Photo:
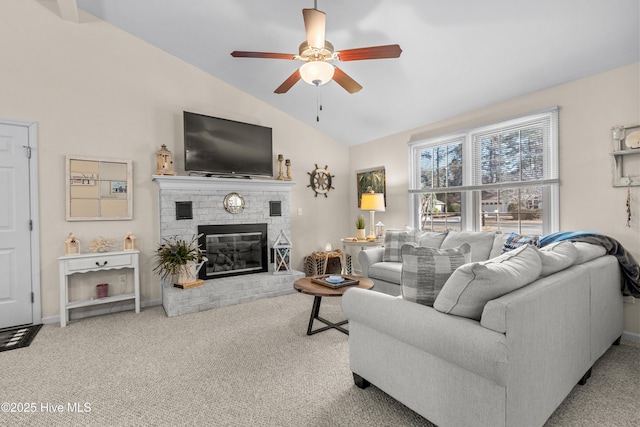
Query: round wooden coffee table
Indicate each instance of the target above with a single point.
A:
(306, 286)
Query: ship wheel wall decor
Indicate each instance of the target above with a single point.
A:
(320, 180)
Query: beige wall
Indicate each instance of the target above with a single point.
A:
(95, 90)
(588, 109)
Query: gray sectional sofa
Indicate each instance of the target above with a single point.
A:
(510, 365)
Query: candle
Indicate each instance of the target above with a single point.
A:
(327, 247)
(287, 162)
(280, 157)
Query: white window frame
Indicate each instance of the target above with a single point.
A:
(471, 190)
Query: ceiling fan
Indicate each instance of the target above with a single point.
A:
(317, 53)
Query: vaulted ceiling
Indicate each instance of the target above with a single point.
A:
(456, 55)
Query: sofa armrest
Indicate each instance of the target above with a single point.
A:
(458, 340)
(367, 257)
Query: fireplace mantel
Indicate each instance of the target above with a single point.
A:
(167, 182)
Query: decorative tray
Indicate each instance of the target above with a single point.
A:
(334, 281)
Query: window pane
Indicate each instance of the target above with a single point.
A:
(532, 154)
(441, 166)
(510, 157)
(440, 211)
(454, 152)
(516, 210)
(426, 168)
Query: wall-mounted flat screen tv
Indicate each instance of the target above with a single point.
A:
(217, 146)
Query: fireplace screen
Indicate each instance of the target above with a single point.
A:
(233, 249)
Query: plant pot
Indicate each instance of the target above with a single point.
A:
(361, 234)
(189, 272)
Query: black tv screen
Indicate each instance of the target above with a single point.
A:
(217, 146)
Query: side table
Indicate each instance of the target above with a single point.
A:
(362, 244)
(90, 262)
(306, 286)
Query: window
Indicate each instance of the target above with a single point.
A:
(500, 177)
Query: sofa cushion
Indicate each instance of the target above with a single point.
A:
(431, 239)
(425, 270)
(387, 271)
(588, 251)
(515, 240)
(481, 242)
(498, 244)
(472, 285)
(557, 257)
(393, 242)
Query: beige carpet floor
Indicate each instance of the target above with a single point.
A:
(245, 365)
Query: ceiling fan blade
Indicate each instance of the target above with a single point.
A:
(268, 55)
(288, 84)
(314, 24)
(345, 81)
(373, 52)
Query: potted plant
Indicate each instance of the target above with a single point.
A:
(360, 231)
(181, 258)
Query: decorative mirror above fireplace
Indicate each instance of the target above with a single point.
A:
(234, 203)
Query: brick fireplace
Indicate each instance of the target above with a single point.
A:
(188, 202)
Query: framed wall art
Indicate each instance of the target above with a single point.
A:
(373, 178)
(98, 189)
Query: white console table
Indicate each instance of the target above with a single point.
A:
(86, 263)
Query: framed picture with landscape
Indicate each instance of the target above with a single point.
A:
(371, 179)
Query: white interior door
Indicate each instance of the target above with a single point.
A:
(16, 307)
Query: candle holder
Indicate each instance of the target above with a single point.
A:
(287, 163)
(280, 175)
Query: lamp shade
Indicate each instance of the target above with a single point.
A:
(372, 202)
(316, 72)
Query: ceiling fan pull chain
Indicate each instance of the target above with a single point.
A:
(318, 104)
(318, 107)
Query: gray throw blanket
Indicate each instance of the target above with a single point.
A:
(629, 266)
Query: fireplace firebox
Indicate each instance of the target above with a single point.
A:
(233, 249)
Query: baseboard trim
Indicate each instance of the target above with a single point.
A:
(630, 336)
(102, 310)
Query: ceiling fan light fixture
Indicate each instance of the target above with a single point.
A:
(316, 73)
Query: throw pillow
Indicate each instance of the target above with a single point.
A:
(471, 286)
(425, 270)
(515, 240)
(481, 242)
(431, 239)
(557, 257)
(393, 242)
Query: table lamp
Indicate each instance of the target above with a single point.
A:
(372, 202)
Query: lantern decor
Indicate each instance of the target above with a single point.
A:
(72, 245)
(282, 254)
(380, 230)
(165, 161)
(130, 242)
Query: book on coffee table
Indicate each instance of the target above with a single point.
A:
(331, 281)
